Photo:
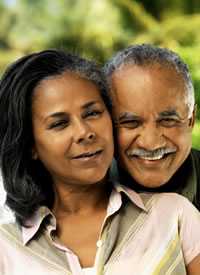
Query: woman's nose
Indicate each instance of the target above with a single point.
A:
(84, 133)
(89, 137)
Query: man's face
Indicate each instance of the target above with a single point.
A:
(153, 128)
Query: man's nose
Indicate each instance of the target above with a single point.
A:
(83, 133)
(150, 138)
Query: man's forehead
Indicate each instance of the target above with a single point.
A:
(134, 114)
(139, 81)
(145, 71)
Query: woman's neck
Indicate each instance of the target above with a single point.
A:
(80, 213)
(80, 199)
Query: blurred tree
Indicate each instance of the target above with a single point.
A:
(7, 22)
(80, 25)
(98, 28)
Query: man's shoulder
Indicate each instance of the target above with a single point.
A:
(195, 153)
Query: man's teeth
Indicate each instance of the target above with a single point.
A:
(155, 157)
(150, 155)
(151, 158)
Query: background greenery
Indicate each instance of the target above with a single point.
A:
(98, 28)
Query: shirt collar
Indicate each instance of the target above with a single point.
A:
(33, 224)
(134, 197)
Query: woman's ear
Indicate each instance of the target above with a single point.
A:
(34, 154)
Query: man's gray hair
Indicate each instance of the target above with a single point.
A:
(147, 54)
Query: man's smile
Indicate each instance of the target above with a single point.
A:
(153, 155)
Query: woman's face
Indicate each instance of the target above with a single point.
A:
(72, 130)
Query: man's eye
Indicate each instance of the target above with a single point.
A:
(129, 124)
(168, 122)
(58, 124)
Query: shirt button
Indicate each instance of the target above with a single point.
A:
(99, 243)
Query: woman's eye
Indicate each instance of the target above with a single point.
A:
(93, 113)
(129, 124)
(58, 124)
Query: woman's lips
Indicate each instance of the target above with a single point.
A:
(88, 155)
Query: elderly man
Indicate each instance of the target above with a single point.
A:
(154, 113)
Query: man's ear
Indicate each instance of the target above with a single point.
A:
(193, 117)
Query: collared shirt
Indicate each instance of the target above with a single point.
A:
(141, 234)
(89, 271)
(186, 181)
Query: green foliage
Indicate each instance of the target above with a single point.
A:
(196, 135)
(98, 28)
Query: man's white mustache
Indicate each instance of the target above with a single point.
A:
(157, 153)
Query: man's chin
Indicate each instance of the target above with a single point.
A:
(152, 185)
(152, 182)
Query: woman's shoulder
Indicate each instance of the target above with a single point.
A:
(10, 231)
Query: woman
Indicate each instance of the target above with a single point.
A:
(55, 151)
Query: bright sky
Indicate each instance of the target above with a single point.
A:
(10, 2)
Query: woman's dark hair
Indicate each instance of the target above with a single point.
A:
(26, 181)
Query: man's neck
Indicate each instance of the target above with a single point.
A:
(175, 184)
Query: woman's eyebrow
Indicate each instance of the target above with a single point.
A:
(56, 115)
(89, 104)
(64, 114)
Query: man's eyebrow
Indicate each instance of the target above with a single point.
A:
(127, 115)
(169, 113)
